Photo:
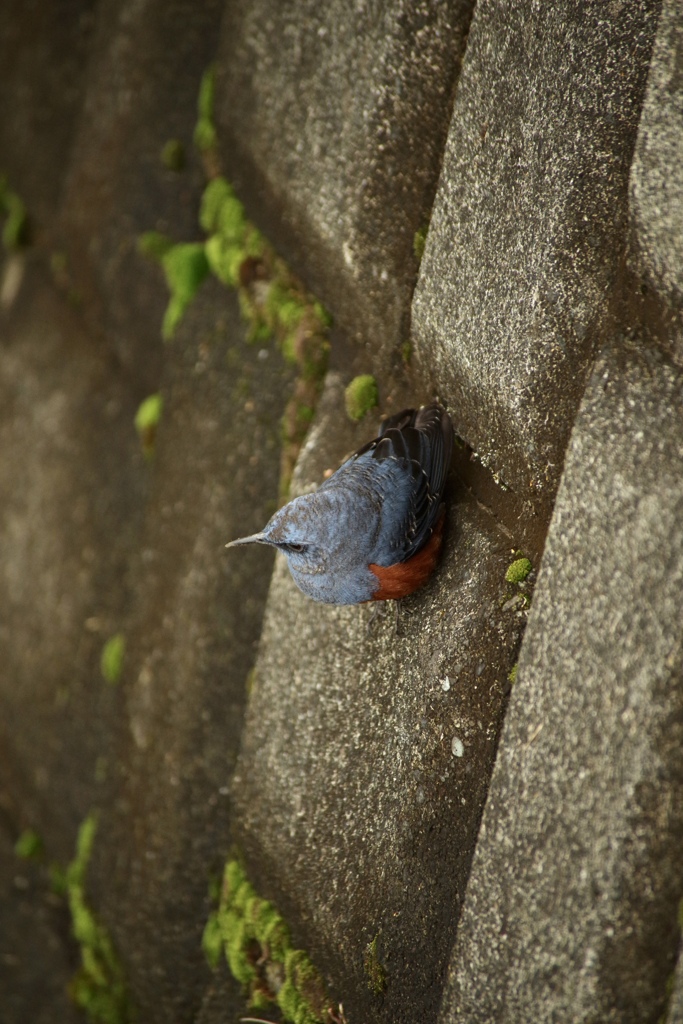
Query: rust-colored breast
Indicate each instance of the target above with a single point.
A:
(402, 578)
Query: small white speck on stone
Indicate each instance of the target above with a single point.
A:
(457, 746)
(445, 684)
(263, 354)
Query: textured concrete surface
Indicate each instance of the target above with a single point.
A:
(657, 174)
(354, 811)
(36, 959)
(70, 511)
(674, 1013)
(332, 120)
(43, 55)
(572, 904)
(527, 230)
(145, 64)
(192, 628)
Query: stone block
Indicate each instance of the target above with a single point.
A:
(366, 755)
(528, 226)
(332, 119)
(571, 910)
(192, 627)
(656, 191)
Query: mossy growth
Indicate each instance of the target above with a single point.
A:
(361, 396)
(419, 241)
(111, 660)
(273, 303)
(15, 229)
(147, 421)
(99, 987)
(512, 675)
(185, 267)
(205, 130)
(374, 969)
(257, 945)
(29, 845)
(173, 155)
(407, 352)
(518, 570)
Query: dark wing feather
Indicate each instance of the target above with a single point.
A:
(407, 465)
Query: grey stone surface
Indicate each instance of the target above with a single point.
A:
(332, 120)
(72, 487)
(36, 959)
(192, 628)
(657, 174)
(674, 1012)
(571, 908)
(145, 65)
(527, 230)
(355, 814)
(43, 55)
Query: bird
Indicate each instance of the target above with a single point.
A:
(373, 530)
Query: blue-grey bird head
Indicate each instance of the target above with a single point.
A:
(327, 553)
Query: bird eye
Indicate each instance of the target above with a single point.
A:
(295, 547)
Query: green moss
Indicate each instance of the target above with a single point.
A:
(512, 675)
(518, 571)
(12, 208)
(419, 240)
(212, 940)
(185, 267)
(147, 421)
(273, 302)
(374, 970)
(361, 396)
(154, 244)
(29, 845)
(98, 987)
(406, 352)
(205, 131)
(173, 155)
(111, 661)
(257, 945)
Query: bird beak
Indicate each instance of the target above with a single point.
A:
(256, 538)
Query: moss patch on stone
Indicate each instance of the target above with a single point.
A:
(257, 945)
(518, 570)
(273, 301)
(147, 421)
(361, 396)
(173, 155)
(274, 304)
(374, 969)
(111, 660)
(185, 267)
(98, 988)
(419, 241)
(29, 845)
(12, 208)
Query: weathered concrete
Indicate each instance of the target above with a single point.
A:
(527, 230)
(192, 629)
(146, 62)
(43, 54)
(35, 962)
(571, 907)
(657, 174)
(72, 480)
(332, 121)
(354, 812)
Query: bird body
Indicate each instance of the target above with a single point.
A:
(373, 530)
